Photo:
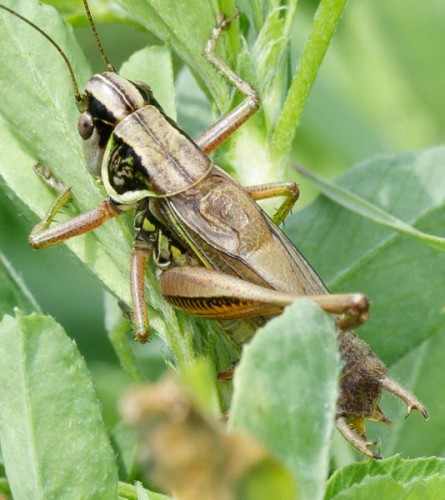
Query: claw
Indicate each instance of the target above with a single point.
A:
(420, 408)
(224, 22)
(378, 416)
(353, 431)
(48, 178)
(409, 399)
(357, 315)
(227, 373)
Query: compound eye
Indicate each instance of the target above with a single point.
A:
(145, 90)
(85, 125)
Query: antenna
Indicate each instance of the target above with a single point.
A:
(96, 37)
(77, 95)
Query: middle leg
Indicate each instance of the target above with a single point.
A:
(289, 190)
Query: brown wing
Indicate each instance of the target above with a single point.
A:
(230, 232)
(311, 281)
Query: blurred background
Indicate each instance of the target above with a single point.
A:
(380, 90)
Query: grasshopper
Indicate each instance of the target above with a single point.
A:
(218, 255)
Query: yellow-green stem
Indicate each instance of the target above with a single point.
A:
(325, 23)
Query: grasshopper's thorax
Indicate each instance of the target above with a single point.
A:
(138, 151)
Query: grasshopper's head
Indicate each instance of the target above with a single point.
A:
(108, 98)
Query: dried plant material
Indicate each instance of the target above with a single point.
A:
(186, 453)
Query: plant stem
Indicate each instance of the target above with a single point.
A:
(325, 23)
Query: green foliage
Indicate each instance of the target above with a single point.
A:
(373, 259)
(392, 478)
(50, 420)
(13, 292)
(53, 438)
(285, 351)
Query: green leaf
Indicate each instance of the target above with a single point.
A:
(402, 277)
(153, 65)
(392, 478)
(74, 11)
(362, 207)
(117, 327)
(422, 371)
(268, 53)
(125, 444)
(194, 110)
(52, 434)
(13, 292)
(286, 390)
(269, 46)
(43, 115)
(267, 479)
(4, 488)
